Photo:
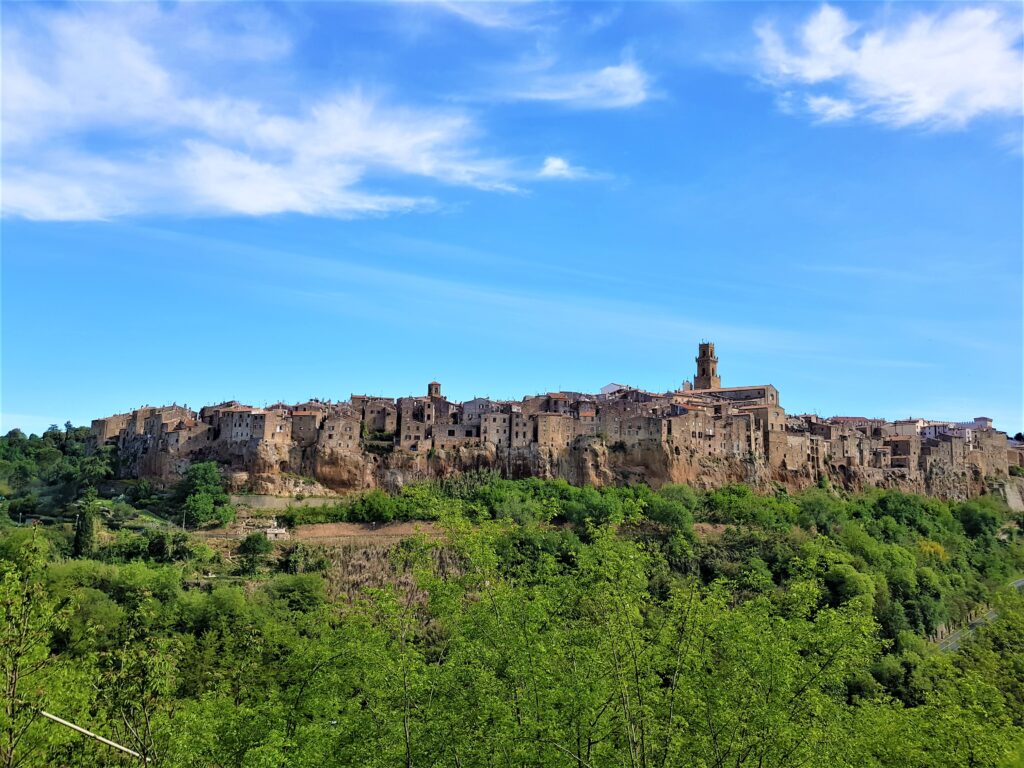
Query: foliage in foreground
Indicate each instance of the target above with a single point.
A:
(537, 649)
(563, 626)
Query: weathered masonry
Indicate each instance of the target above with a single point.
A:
(701, 433)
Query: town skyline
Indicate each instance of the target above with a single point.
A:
(340, 398)
(455, 382)
(459, 397)
(703, 433)
(266, 201)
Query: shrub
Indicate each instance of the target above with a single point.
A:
(301, 558)
(253, 549)
(979, 517)
(300, 593)
(255, 544)
(203, 497)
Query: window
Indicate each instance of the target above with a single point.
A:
(451, 433)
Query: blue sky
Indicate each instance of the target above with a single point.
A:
(204, 202)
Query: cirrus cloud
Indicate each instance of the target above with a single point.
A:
(560, 168)
(612, 87)
(938, 70)
(102, 118)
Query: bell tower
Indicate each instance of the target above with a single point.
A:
(707, 368)
(434, 389)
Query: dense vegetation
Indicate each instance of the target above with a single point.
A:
(40, 475)
(550, 625)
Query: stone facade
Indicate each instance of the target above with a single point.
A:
(703, 434)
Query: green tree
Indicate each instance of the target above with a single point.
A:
(202, 496)
(135, 683)
(844, 583)
(253, 550)
(199, 508)
(85, 531)
(517, 639)
(31, 676)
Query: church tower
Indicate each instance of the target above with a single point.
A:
(434, 389)
(707, 368)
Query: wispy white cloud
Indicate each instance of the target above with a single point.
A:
(938, 70)
(225, 180)
(515, 309)
(74, 186)
(255, 35)
(102, 119)
(829, 110)
(1013, 140)
(612, 87)
(502, 15)
(560, 168)
(893, 272)
(605, 17)
(348, 286)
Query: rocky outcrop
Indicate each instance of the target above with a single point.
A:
(586, 462)
(276, 469)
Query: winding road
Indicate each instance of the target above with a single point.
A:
(952, 642)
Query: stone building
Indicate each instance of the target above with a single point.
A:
(416, 419)
(306, 427)
(236, 424)
(707, 368)
(107, 430)
(272, 426)
(473, 409)
(450, 436)
(379, 414)
(685, 432)
(341, 430)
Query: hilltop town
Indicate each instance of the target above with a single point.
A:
(702, 433)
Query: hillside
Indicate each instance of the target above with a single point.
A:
(522, 622)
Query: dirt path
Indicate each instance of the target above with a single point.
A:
(315, 531)
(704, 530)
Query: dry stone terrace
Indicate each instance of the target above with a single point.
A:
(704, 434)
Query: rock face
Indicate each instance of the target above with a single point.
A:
(341, 456)
(315, 471)
(703, 434)
(706, 437)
